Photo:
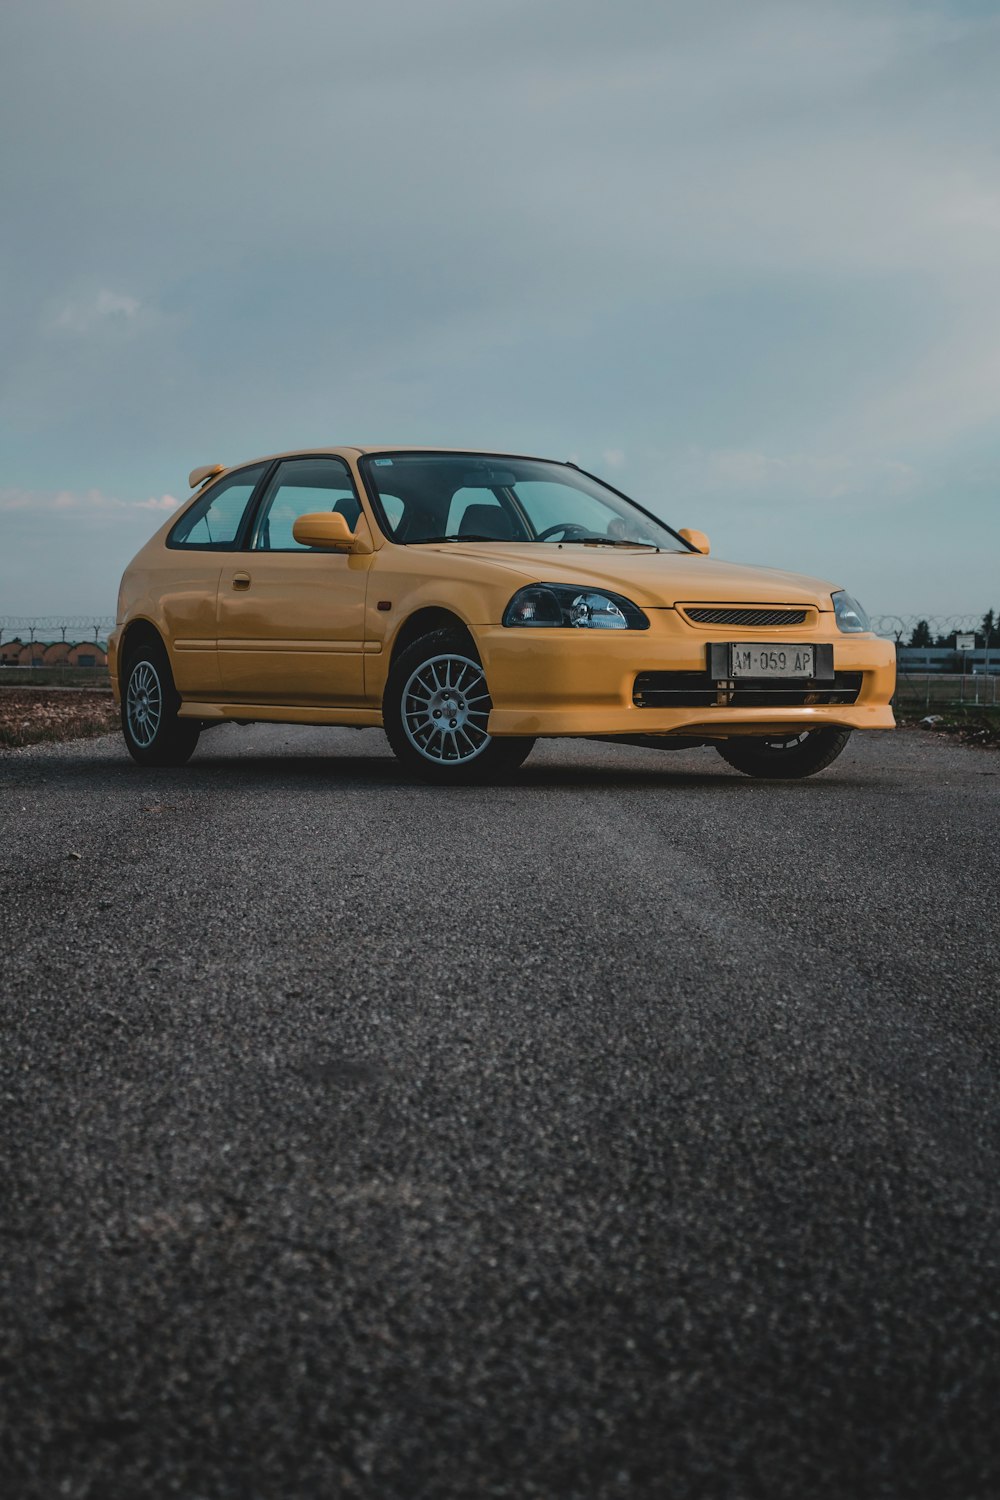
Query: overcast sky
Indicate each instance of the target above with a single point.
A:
(741, 257)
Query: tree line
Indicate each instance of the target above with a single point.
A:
(988, 634)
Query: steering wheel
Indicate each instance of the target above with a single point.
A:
(569, 530)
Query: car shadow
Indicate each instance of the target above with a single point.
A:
(220, 770)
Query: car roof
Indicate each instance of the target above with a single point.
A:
(424, 448)
(215, 472)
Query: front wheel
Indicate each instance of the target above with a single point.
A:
(436, 708)
(790, 757)
(154, 734)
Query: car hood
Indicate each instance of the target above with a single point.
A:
(651, 579)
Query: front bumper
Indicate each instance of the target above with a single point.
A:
(578, 682)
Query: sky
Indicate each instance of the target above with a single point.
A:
(742, 259)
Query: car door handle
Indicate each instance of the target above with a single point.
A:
(241, 580)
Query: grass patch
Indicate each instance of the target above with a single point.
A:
(30, 716)
(971, 725)
(77, 677)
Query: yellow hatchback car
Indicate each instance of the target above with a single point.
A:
(470, 603)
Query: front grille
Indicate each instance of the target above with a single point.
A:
(752, 617)
(699, 690)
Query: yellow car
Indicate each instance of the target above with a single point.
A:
(469, 603)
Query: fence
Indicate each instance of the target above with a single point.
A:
(53, 649)
(938, 690)
(95, 627)
(940, 677)
(50, 628)
(900, 628)
(918, 685)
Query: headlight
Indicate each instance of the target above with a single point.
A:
(851, 618)
(545, 605)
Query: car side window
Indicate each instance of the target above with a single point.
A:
(299, 487)
(213, 523)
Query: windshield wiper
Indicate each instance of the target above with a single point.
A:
(472, 536)
(614, 541)
(584, 541)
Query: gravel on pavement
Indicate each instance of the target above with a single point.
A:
(627, 1130)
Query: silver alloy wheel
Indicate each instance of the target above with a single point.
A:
(144, 703)
(445, 709)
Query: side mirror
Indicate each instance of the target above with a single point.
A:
(696, 539)
(324, 528)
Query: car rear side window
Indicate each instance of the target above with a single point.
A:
(213, 522)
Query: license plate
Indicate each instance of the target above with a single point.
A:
(772, 661)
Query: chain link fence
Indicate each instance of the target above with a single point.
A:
(56, 628)
(900, 628)
(927, 677)
(54, 650)
(939, 676)
(95, 627)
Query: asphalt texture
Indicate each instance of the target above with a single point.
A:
(628, 1130)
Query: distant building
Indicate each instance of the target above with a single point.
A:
(946, 659)
(87, 654)
(83, 654)
(32, 654)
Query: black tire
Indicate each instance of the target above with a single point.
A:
(154, 735)
(446, 745)
(785, 759)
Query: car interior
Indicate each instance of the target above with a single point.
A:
(430, 504)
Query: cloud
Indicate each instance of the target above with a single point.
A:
(164, 503)
(105, 310)
(753, 244)
(776, 480)
(65, 550)
(954, 388)
(91, 502)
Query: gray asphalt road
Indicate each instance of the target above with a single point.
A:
(627, 1131)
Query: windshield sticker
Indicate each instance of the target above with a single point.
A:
(382, 463)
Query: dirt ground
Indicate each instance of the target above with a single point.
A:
(972, 726)
(30, 715)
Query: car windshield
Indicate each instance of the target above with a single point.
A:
(475, 497)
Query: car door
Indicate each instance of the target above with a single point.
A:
(205, 537)
(291, 618)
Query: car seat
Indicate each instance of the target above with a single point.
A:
(349, 506)
(487, 520)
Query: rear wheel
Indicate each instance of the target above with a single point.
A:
(786, 758)
(154, 735)
(436, 708)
